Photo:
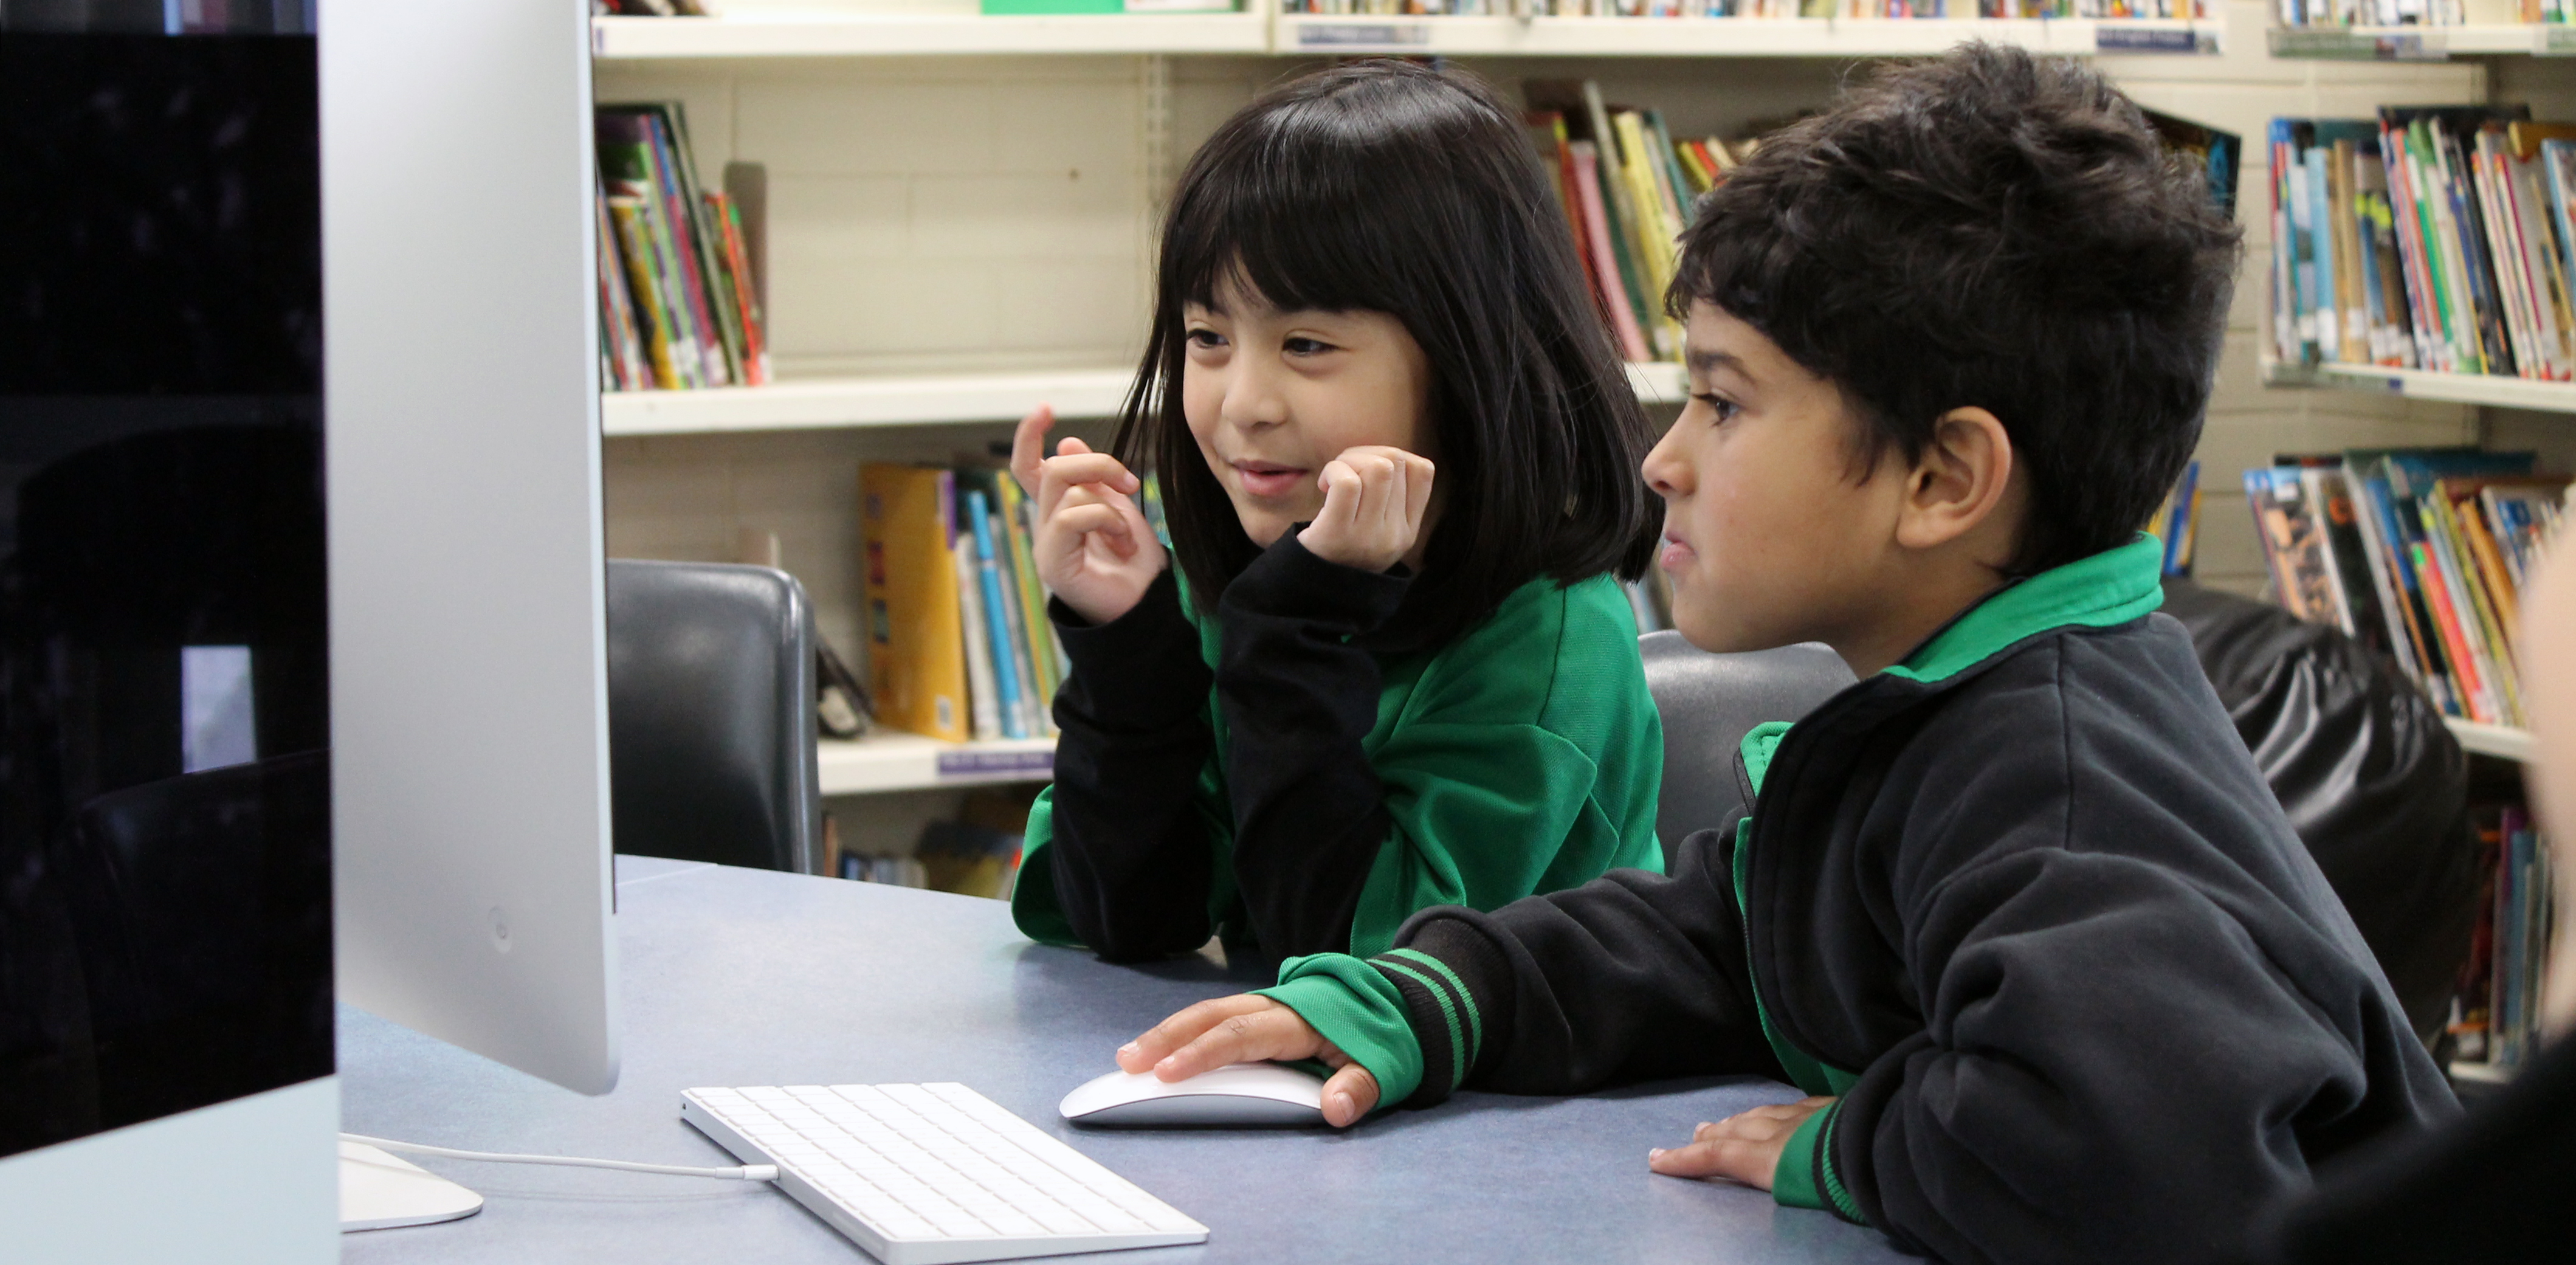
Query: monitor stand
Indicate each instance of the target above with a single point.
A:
(379, 1192)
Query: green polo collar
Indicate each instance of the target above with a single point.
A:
(2111, 587)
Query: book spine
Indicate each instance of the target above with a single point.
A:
(1033, 600)
(627, 360)
(636, 245)
(2488, 636)
(2401, 639)
(1606, 269)
(2455, 644)
(1023, 660)
(981, 671)
(996, 618)
(680, 220)
(729, 287)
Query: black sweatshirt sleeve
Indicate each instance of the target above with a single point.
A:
(1129, 858)
(1298, 696)
(1632, 976)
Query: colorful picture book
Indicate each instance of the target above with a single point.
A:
(677, 303)
(2428, 238)
(2334, 13)
(959, 645)
(2418, 553)
(2497, 1019)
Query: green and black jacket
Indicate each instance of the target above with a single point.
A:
(1306, 770)
(2022, 904)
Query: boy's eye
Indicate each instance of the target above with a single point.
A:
(1725, 408)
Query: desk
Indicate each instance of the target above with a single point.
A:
(740, 977)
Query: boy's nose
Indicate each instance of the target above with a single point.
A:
(1663, 469)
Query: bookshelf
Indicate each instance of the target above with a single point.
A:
(859, 34)
(852, 402)
(1258, 30)
(2496, 740)
(2422, 43)
(892, 760)
(2490, 390)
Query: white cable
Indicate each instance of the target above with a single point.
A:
(747, 1172)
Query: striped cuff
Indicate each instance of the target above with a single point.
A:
(1445, 1021)
(1805, 1176)
(1360, 1010)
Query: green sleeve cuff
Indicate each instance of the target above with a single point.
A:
(1805, 1176)
(1033, 905)
(1358, 1009)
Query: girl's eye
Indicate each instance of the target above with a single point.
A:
(1725, 408)
(1206, 338)
(1306, 347)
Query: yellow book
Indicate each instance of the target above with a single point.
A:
(916, 636)
(634, 249)
(1658, 249)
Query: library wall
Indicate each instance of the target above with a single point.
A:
(970, 214)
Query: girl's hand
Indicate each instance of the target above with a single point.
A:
(1374, 498)
(1094, 549)
(1744, 1147)
(1247, 1029)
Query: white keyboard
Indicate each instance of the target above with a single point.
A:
(927, 1174)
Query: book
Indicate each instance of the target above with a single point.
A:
(983, 668)
(917, 666)
(699, 321)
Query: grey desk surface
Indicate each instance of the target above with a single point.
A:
(738, 977)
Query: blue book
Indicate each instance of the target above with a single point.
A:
(997, 628)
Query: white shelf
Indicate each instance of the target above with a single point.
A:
(1318, 34)
(2454, 388)
(908, 34)
(1306, 34)
(2423, 43)
(2494, 740)
(893, 760)
(820, 403)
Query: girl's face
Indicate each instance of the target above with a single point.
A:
(1271, 396)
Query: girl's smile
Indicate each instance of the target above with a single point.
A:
(1270, 480)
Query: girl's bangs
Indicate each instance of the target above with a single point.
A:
(1284, 222)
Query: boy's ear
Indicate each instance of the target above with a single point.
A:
(1961, 485)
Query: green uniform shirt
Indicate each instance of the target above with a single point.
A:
(1524, 756)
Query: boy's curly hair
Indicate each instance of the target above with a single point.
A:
(1991, 229)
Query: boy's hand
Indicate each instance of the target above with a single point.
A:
(1094, 548)
(1374, 498)
(1248, 1029)
(1744, 1147)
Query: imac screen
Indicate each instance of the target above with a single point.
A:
(165, 820)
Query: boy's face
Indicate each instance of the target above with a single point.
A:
(1770, 535)
(1271, 396)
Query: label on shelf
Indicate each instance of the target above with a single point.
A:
(2344, 45)
(1363, 34)
(2132, 40)
(985, 764)
(2558, 38)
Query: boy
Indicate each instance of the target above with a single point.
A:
(2016, 910)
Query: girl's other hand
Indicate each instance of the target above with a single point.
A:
(1374, 500)
(1094, 550)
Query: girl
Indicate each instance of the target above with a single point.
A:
(1399, 458)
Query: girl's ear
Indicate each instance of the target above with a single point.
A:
(1963, 477)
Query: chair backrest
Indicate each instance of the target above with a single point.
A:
(1708, 703)
(711, 714)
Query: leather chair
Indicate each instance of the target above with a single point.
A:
(1708, 703)
(711, 714)
(2371, 779)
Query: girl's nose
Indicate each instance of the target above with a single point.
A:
(1252, 397)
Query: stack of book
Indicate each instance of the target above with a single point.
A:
(959, 644)
(2502, 984)
(2433, 238)
(677, 304)
(2419, 553)
(1627, 190)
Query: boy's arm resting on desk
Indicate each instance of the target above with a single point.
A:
(1310, 814)
(1125, 867)
(1630, 977)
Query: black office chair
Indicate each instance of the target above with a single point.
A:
(2373, 782)
(1708, 703)
(711, 714)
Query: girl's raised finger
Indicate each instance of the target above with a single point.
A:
(1028, 447)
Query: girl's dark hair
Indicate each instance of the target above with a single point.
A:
(1390, 187)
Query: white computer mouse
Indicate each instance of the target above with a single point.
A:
(1238, 1095)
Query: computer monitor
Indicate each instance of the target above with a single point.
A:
(437, 332)
(165, 811)
(468, 664)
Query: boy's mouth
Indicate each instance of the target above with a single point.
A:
(1269, 480)
(1675, 554)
